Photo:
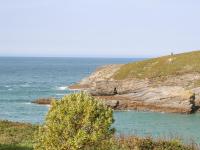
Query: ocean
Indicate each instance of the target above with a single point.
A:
(23, 80)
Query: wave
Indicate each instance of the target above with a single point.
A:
(48, 106)
(38, 105)
(28, 103)
(62, 88)
(60, 94)
(25, 85)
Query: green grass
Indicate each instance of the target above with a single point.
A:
(161, 67)
(14, 147)
(19, 136)
(16, 136)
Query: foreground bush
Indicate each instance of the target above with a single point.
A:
(77, 121)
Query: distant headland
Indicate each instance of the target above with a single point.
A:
(165, 84)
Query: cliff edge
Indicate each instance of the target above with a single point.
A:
(164, 84)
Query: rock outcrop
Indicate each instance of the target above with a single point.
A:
(43, 101)
(175, 94)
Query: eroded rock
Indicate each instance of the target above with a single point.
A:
(174, 94)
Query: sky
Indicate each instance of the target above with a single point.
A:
(98, 28)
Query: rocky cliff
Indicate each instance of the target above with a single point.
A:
(175, 90)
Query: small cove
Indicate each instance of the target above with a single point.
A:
(25, 79)
(163, 125)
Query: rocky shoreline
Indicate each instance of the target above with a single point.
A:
(175, 94)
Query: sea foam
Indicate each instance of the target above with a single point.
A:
(60, 94)
(62, 88)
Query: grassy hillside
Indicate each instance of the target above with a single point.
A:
(161, 67)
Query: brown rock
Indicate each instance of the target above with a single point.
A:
(43, 101)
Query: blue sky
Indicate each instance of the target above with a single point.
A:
(98, 28)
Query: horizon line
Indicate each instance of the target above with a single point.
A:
(104, 57)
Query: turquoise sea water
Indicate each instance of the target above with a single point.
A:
(25, 79)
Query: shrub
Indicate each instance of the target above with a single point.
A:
(148, 143)
(77, 121)
(173, 145)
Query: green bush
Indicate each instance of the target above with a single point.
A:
(77, 121)
(148, 143)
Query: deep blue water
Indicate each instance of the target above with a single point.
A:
(25, 79)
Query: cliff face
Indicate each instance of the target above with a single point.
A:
(176, 92)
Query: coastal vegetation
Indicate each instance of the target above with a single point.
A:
(20, 136)
(78, 121)
(161, 67)
(14, 135)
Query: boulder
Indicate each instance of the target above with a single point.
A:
(112, 103)
(197, 95)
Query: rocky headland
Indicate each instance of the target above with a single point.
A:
(165, 84)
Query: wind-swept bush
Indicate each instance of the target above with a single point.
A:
(77, 121)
